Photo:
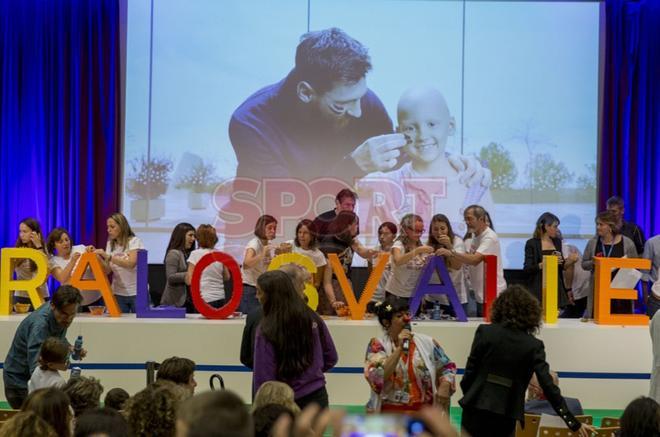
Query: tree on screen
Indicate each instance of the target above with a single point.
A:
(546, 174)
(499, 161)
(587, 180)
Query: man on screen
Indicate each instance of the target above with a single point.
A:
(322, 120)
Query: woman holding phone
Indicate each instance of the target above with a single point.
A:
(546, 241)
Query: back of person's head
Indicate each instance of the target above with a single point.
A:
(287, 323)
(328, 57)
(641, 418)
(84, 392)
(516, 308)
(176, 369)
(152, 411)
(53, 406)
(275, 392)
(26, 424)
(106, 422)
(298, 274)
(214, 413)
(207, 237)
(53, 351)
(265, 417)
(116, 398)
(66, 295)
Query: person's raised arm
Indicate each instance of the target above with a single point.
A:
(399, 258)
(62, 275)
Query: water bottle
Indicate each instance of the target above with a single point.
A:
(77, 349)
(436, 312)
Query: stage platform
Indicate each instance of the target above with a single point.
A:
(604, 366)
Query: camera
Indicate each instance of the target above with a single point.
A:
(385, 425)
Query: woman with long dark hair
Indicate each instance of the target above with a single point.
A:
(182, 243)
(29, 236)
(546, 241)
(503, 357)
(292, 344)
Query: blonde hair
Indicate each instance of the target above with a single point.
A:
(27, 423)
(408, 222)
(275, 392)
(125, 231)
(298, 274)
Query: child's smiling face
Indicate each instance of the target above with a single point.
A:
(425, 121)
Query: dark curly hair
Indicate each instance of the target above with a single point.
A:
(84, 392)
(641, 418)
(387, 309)
(152, 411)
(516, 308)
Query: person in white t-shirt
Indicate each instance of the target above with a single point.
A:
(53, 358)
(212, 285)
(386, 235)
(484, 242)
(306, 243)
(64, 260)
(409, 257)
(120, 257)
(30, 237)
(259, 252)
(446, 243)
(577, 282)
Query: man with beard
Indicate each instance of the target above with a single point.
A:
(322, 120)
(49, 320)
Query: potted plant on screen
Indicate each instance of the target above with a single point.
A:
(199, 183)
(148, 181)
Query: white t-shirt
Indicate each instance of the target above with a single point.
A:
(379, 294)
(124, 281)
(486, 243)
(581, 277)
(456, 275)
(315, 254)
(212, 284)
(44, 379)
(424, 195)
(56, 261)
(23, 272)
(250, 275)
(404, 277)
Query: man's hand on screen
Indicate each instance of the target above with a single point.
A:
(379, 153)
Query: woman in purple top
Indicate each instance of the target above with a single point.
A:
(292, 344)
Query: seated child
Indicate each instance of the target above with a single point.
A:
(53, 357)
(428, 184)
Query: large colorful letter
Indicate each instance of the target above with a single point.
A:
(237, 290)
(358, 308)
(7, 284)
(143, 310)
(437, 263)
(604, 293)
(304, 261)
(100, 281)
(550, 288)
(490, 283)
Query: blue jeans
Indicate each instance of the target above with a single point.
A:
(126, 303)
(249, 300)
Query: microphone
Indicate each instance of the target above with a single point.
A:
(405, 345)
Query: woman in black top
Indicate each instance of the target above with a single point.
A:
(546, 241)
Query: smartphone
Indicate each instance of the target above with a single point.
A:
(381, 425)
